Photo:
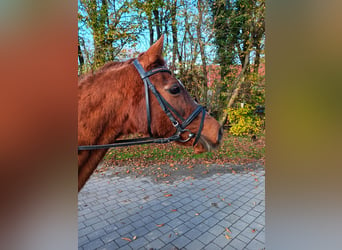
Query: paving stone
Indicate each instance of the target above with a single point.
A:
(260, 236)
(173, 215)
(206, 237)
(167, 237)
(221, 241)
(116, 214)
(184, 217)
(213, 246)
(238, 244)
(155, 244)
(93, 220)
(195, 245)
(175, 222)
(202, 227)
(110, 228)
(109, 246)
(93, 244)
(255, 245)
(220, 215)
(121, 242)
(100, 225)
(207, 214)
(153, 235)
(242, 238)
(240, 225)
(158, 214)
(96, 234)
(165, 228)
(85, 231)
(82, 240)
(211, 221)
(181, 241)
(109, 237)
(125, 230)
(232, 218)
(249, 232)
(248, 218)
(240, 212)
(229, 247)
(182, 229)
(193, 233)
(216, 230)
(146, 219)
(260, 220)
(139, 242)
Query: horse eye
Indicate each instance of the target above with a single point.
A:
(175, 89)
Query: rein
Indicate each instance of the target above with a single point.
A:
(166, 107)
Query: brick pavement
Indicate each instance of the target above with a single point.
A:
(126, 213)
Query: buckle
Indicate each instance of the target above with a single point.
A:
(175, 124)
(191, 135)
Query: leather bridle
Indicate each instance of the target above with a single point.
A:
(167, 108)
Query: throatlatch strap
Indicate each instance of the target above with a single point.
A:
(148, 110)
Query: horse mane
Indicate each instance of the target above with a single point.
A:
(91, 76)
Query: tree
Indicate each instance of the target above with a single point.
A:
(239, 31)
(112, 27)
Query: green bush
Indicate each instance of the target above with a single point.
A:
(244, 121)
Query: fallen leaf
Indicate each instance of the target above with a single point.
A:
(173, 210)
(167, 195)
(227, 229)
(134, 237)
(128, 239)
(227, 236)
(160, 225)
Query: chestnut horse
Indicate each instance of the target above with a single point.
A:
(112, 103)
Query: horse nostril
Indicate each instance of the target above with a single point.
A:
(220, 135)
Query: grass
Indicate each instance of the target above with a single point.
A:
(234, 150)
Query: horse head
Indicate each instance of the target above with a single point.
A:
(174, 93)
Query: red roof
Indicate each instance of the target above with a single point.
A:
(214, 72)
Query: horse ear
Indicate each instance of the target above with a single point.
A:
(153, 53)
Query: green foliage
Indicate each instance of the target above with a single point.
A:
(257, 90)
(234, 149)
(244, 121)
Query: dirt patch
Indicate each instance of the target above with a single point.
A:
(168, 173)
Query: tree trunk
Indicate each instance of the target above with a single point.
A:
(157, 21)
(174, 34)
(150, 28)
(257, 57)
(238, 82)
(202, 52)
(80, 55)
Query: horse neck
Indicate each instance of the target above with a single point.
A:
(106, 107)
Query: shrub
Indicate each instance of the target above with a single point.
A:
(244, 121)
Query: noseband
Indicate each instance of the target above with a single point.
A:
(167, 108)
